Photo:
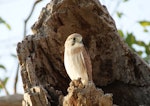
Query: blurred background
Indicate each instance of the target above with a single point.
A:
(132, 19)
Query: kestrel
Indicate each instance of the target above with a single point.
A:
(76, 59)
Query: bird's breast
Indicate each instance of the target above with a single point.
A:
(74, 64)
(75, 50)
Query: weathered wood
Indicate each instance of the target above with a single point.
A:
(78, 95)
(115, 67)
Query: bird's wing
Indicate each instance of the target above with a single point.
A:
(87, 63)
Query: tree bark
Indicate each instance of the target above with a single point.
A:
(79, 95)
(116, 68)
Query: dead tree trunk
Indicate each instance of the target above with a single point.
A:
(116, 68)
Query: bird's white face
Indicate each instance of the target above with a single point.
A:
(73, 41)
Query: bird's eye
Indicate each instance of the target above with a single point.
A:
(74, 39)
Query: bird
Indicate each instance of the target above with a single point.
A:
(76, 59)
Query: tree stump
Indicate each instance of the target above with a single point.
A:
(78, 95)
(116, 68)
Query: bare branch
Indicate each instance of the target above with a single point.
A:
(16, 80)
(27, 19)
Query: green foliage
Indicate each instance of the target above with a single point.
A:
(144, 24)
(119, 14)
(4, 82)
(125, 0)
(121, 33)
(4, 22)
(131, 40)
(2, 67)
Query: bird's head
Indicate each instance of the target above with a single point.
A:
(74, 40)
